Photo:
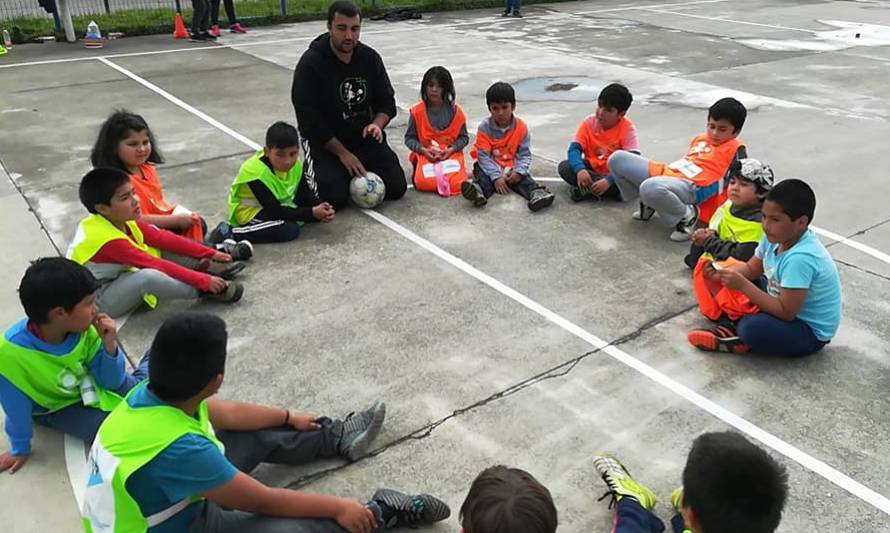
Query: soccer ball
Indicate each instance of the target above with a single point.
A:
(367, 191)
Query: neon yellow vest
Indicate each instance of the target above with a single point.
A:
(732, 228)
(243, 207)
(95, 231)
(53, 381)
(128, 440)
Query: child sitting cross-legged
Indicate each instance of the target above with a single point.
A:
(137, 262)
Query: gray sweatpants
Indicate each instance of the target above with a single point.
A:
(671, 197)
(247, 449)
(125, 292)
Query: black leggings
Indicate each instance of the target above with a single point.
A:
(230, 12)
(262, 230)
(332, 178)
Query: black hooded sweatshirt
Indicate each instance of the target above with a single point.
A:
(336, 99)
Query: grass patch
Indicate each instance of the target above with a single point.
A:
(150, 21)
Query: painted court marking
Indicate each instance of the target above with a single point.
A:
(809, 462)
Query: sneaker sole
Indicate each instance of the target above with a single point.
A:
(230, 273)
(360, 445)
(708, 342)
(434, 509)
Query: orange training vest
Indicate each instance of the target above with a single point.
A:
(424, 179)
(705, 164)
(151, 199)
(502, 150)
(714, 299)
(598, 146)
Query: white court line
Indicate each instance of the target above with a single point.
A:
(717, 19)
(807, 461)
(864, 248)
(645, 6)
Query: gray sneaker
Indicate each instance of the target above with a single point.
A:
(226, 271)
(473, 193)
(684, 229)
(359, 429)
(540, 198)
(239, 250)
(401, 510)
(232, 294)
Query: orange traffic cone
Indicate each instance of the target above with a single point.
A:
(179, 28)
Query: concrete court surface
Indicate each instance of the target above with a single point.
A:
(475, 374)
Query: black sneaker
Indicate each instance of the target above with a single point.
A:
(684, 229)
(232, 294)
(402, 510)
(359, 429)
(644, 213)
(239, 250)
(208, 36)
(197, 37)
(506, 13)
(517, 14)
(540, 198)
(473, 193)
(226, 271)
(221, 232)
(578, 194)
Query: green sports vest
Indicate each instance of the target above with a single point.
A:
(732, 228)
(53, 381)
(128, 440)
(95, 231)
(283, 186)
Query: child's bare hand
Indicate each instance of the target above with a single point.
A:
(500, 186)
(217, 285)
(732, 279)
(182, 221)
(585, 180)
(429, 153)
(374, 131)
(221, 257)
(355, 517)
(304, 421)
(107, 329)
(700, 235)
(13, 463)
(513, 178)
(446, 153)
(600, 187)
(323, 212)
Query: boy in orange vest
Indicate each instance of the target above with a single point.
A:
(503, 154)
(598, 136)
(692, 187)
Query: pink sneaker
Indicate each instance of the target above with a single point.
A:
(215, 31)
(237, 28)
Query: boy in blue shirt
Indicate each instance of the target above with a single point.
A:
(60, 366)
(186, 467)
(800, 306)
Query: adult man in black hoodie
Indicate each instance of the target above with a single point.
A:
(344, 99)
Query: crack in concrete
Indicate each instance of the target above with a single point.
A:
(33, 211)
(554, 372)
(206, 160)
(863, 270)
(860, 232)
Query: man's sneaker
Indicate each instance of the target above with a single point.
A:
(359, 429)
(473, 193)
(620, 483)
(402, 510)
(720, 339)
(226, 271)
(506, 13)
(540, 198)
(239, 250)
(207, 35)
(214, 30)
(517, 14)
(197, 37)
(644, 213)
(232, 294)
(684, 229)
(221, 232)
(237, 28)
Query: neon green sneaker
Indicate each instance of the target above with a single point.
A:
(620, 483)
(677, 499)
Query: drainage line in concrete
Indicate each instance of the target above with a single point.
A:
(557, 371)
(863, 270)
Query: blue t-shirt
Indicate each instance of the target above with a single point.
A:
(189, 466)
(806, 265)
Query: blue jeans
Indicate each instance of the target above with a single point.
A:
(514, 6)
(524, 188)
(631, 517)
(768, 335)
(83, 422)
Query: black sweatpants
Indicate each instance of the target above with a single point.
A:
(200, 16)
(332, 178)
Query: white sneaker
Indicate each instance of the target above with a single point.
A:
(684, 229)
(239, 250)
(644, 213)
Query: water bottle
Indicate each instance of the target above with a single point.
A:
(93, 30)
(7, 40)
(88, 393)
(442, 185)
